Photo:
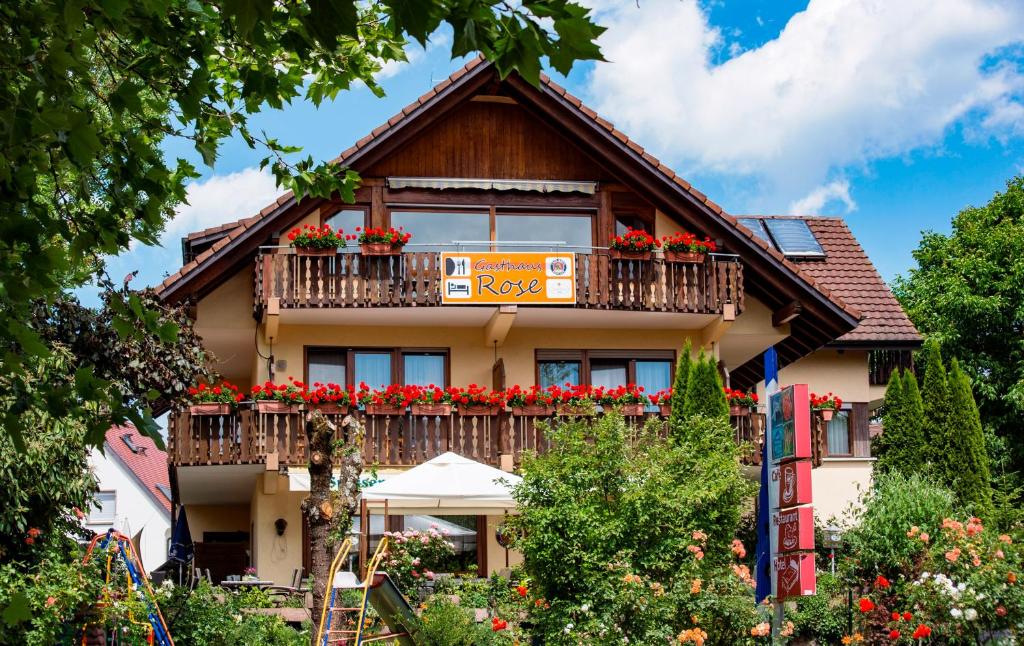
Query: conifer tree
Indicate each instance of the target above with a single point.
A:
(682, 375)
(966, 461)
(704, 394)
(913, 408)
(935, 400)
(901, 446)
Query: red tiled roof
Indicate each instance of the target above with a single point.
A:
(847, 272)
(148, 463)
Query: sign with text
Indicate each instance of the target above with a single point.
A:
(795, 529)
(789, 423)
(794, 575)
(508, 278)
(791, 484)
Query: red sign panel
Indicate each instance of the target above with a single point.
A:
(789, 423)
(795, 529)
(794, 576)
(792, 483)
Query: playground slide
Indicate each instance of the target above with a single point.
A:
(392, 607)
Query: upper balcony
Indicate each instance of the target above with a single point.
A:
(414, 278)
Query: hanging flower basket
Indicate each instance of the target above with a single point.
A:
(275, 407)
(312, 251)
(432, 410)
(684, 257)
(209, 409)
(379, 249)
(623, 254)
(826, 414)
(384, 409)
(330, 408)
(478, 410)
(739, 411)
(533, 410)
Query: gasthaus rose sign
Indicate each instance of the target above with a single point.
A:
(499, 278)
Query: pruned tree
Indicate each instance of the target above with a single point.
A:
(683, 367)
(901, 446)
(966, 461)
(704, 394)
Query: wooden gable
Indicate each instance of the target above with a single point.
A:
(489, 137)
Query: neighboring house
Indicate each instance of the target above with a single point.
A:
(495, 162)
(134, 493)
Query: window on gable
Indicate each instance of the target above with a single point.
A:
(104, 509)
(347, 220)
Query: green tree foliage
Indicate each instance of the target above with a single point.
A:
(93, 91)
(683, 367)
(901, 445)
(704, 394)
(611, 523)
(967, 293)
(936, 402)
(966, 462)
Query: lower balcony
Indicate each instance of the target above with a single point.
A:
(252, 437)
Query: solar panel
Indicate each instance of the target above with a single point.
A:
(793, 237)
(757, 226)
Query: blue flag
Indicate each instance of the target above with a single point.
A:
(764, 547)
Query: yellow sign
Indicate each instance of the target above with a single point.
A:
(499, 278)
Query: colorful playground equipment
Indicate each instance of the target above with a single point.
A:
(121, 553)
(378, 590)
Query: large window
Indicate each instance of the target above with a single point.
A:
(439, 230)
(651, 369)
(376, 367)
(347, 220)
(838, 434)
(575, 231)
(104, 508)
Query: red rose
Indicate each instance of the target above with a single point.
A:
(894, 634)
(882, 582)
(866, 605)
(522, 590)
(921, 632)
(907, 616)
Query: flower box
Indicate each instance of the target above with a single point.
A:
(739, 411)
(533, 410)
(330, 408)
(478, 410)
(379, 249)
(826, 414)
(209, 409)
(622, 254)
(432, 410)
(631, 410)
(274, 406)
(665, 410)
(384, 409)
(570, 410)
(690, 257)
(313, 251)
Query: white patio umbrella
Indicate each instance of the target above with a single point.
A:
(449, 483)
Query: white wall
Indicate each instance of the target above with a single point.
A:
(136, 509)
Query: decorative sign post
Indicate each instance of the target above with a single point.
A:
(499, 278)
(792, 524)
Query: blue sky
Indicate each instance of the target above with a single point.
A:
(892, 115)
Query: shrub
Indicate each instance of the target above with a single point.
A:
(901, 444)
(682, 375)
(445, 623)
(412, 556)
(213, 616)
(971, 477)
(822, 617)
(935, 396)
(704, 393)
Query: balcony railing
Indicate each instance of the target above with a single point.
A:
(882, 363)
(413, 279)
(249, 437)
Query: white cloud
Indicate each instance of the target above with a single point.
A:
(220, 199)
(845, 83)
(814, 202)
(414, 53)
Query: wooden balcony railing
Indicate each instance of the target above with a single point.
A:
(249, 437)
(882, 363)
(413, 279)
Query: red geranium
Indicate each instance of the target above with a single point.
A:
(921, 632)
(688, 242)
(628, 394)
(329, 393)
(882, 582)
(635, 240)
(291, 393)
(829, 401)
(312, 237)
(516, 397)
(866, 605)
(746, 399)
(498, 624)
(663, 396)
(394, 237)
(223, 393)
(894, 634)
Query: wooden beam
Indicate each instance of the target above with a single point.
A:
(271, 319)
(497, 328)
(787, 313)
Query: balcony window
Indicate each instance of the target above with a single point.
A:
(609, 373)
(652, 369)
(326, 365)
(558, 373)
(576, 231)
(376, 367)
(372, 368)
(347, 220)
(423, 368)
(104, 509)
(838, 434)
(439, 230)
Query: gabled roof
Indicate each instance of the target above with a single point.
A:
(146, 462)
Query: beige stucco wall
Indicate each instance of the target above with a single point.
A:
(496, 554)
(276, 557)
(837, 484)
(844, 373)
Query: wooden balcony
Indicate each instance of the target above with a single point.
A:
(413, 279)
(250, 437)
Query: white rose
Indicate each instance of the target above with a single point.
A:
(956, 613)
(971, 614)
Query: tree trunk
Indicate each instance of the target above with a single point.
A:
(329, 514)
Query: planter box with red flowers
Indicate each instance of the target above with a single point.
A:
(634, 244)
(329, 399)
(219, 399)
(826, 405)
(686, 248)
(309, 240)
(663, 400)
(740, 403)
(430, 401)
(278, 398)
(382, 242)
(478, 401)
(573, 401)
(534, 401)
(392, 400)
(629, 400)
